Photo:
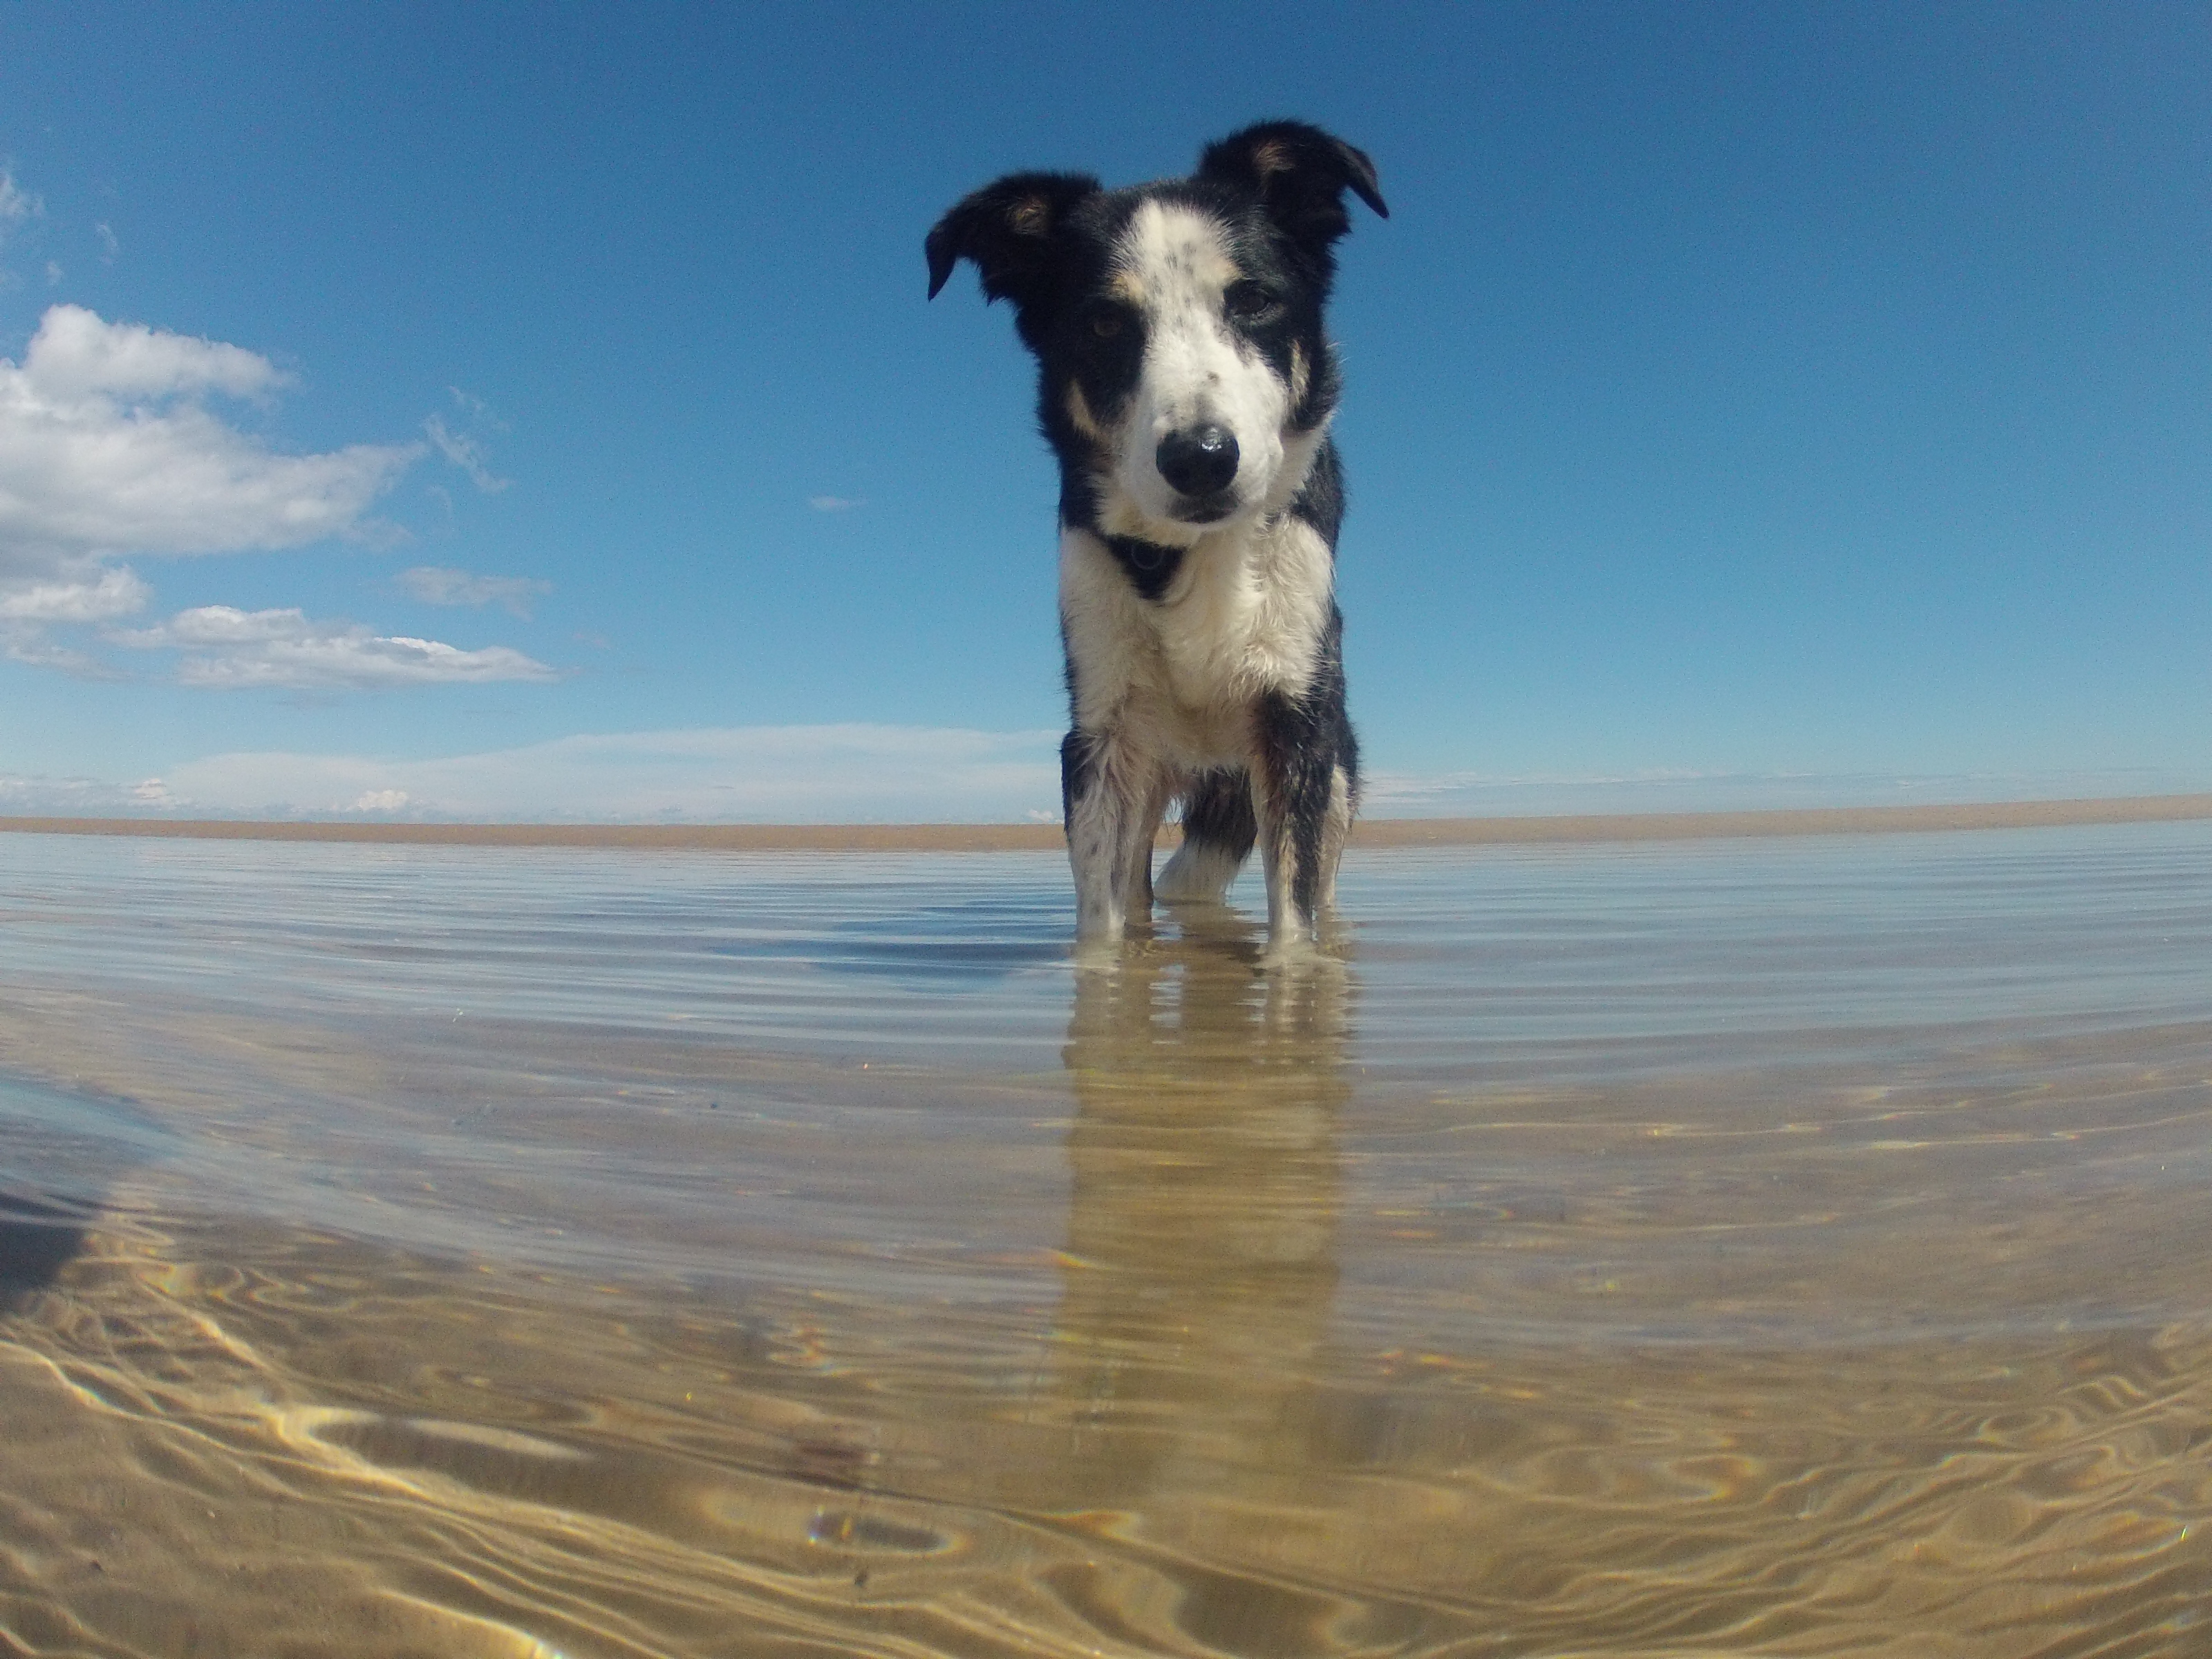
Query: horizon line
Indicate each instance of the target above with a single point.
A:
(1367, 833)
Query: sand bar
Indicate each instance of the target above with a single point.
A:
(1018, 837)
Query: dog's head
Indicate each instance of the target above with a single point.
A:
(1185, 379)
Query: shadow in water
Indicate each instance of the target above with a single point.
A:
(60, 1154)
(38, 1238)
(1200, 1260)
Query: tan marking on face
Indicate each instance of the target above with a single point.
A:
(1128, 287)
(1078, 412)
(1214, 267)
(1300, 374)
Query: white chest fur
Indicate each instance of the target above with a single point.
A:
(1243, 616)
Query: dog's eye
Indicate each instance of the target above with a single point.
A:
(1106, 322)
(1249, 302)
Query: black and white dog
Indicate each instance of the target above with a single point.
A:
(1186, 385)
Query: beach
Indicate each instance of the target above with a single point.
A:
(1369, 833)
(1629, 1241)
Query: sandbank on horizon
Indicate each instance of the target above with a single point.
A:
(1369, 833)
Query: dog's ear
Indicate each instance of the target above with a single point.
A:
(1007, 228)
(1300, 174)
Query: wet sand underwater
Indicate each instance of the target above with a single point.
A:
(1787, 1244)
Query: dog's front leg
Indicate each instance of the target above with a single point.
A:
(1112, 806)
(1278, 866)
(1137, 845)
(1301, 795)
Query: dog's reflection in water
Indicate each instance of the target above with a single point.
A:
(1201, 1259)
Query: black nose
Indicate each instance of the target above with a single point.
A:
(1198, 460)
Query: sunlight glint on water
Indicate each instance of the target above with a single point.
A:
(1748, 1247)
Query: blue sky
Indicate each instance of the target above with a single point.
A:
(532, 412)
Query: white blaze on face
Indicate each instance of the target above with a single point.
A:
(1174, 264)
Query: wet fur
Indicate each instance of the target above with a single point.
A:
(1178, 332)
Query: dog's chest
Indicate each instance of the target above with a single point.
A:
(1242, 617)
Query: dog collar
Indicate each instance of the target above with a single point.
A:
(1151, 566)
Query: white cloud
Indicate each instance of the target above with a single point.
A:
(79, 592)
(16, 205)
(33, 647)
(466, 452)
(835, 503)
(76, 354)
(17, 208)
(225, 649)
(817, 774)
(108, 448)
(436, 585)
(81, 798)
(105, 449)
(88, 594)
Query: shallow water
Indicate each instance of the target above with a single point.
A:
(1789, 1247)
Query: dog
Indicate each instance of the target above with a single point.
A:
(1185, 385)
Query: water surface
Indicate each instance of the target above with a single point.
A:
(1785, 1247)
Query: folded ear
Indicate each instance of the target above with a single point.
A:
(1301, 173)
(1007, 228)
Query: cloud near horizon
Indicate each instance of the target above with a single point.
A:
(903, 775)
(798, 774)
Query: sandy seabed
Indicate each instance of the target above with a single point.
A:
(1639, 1248)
